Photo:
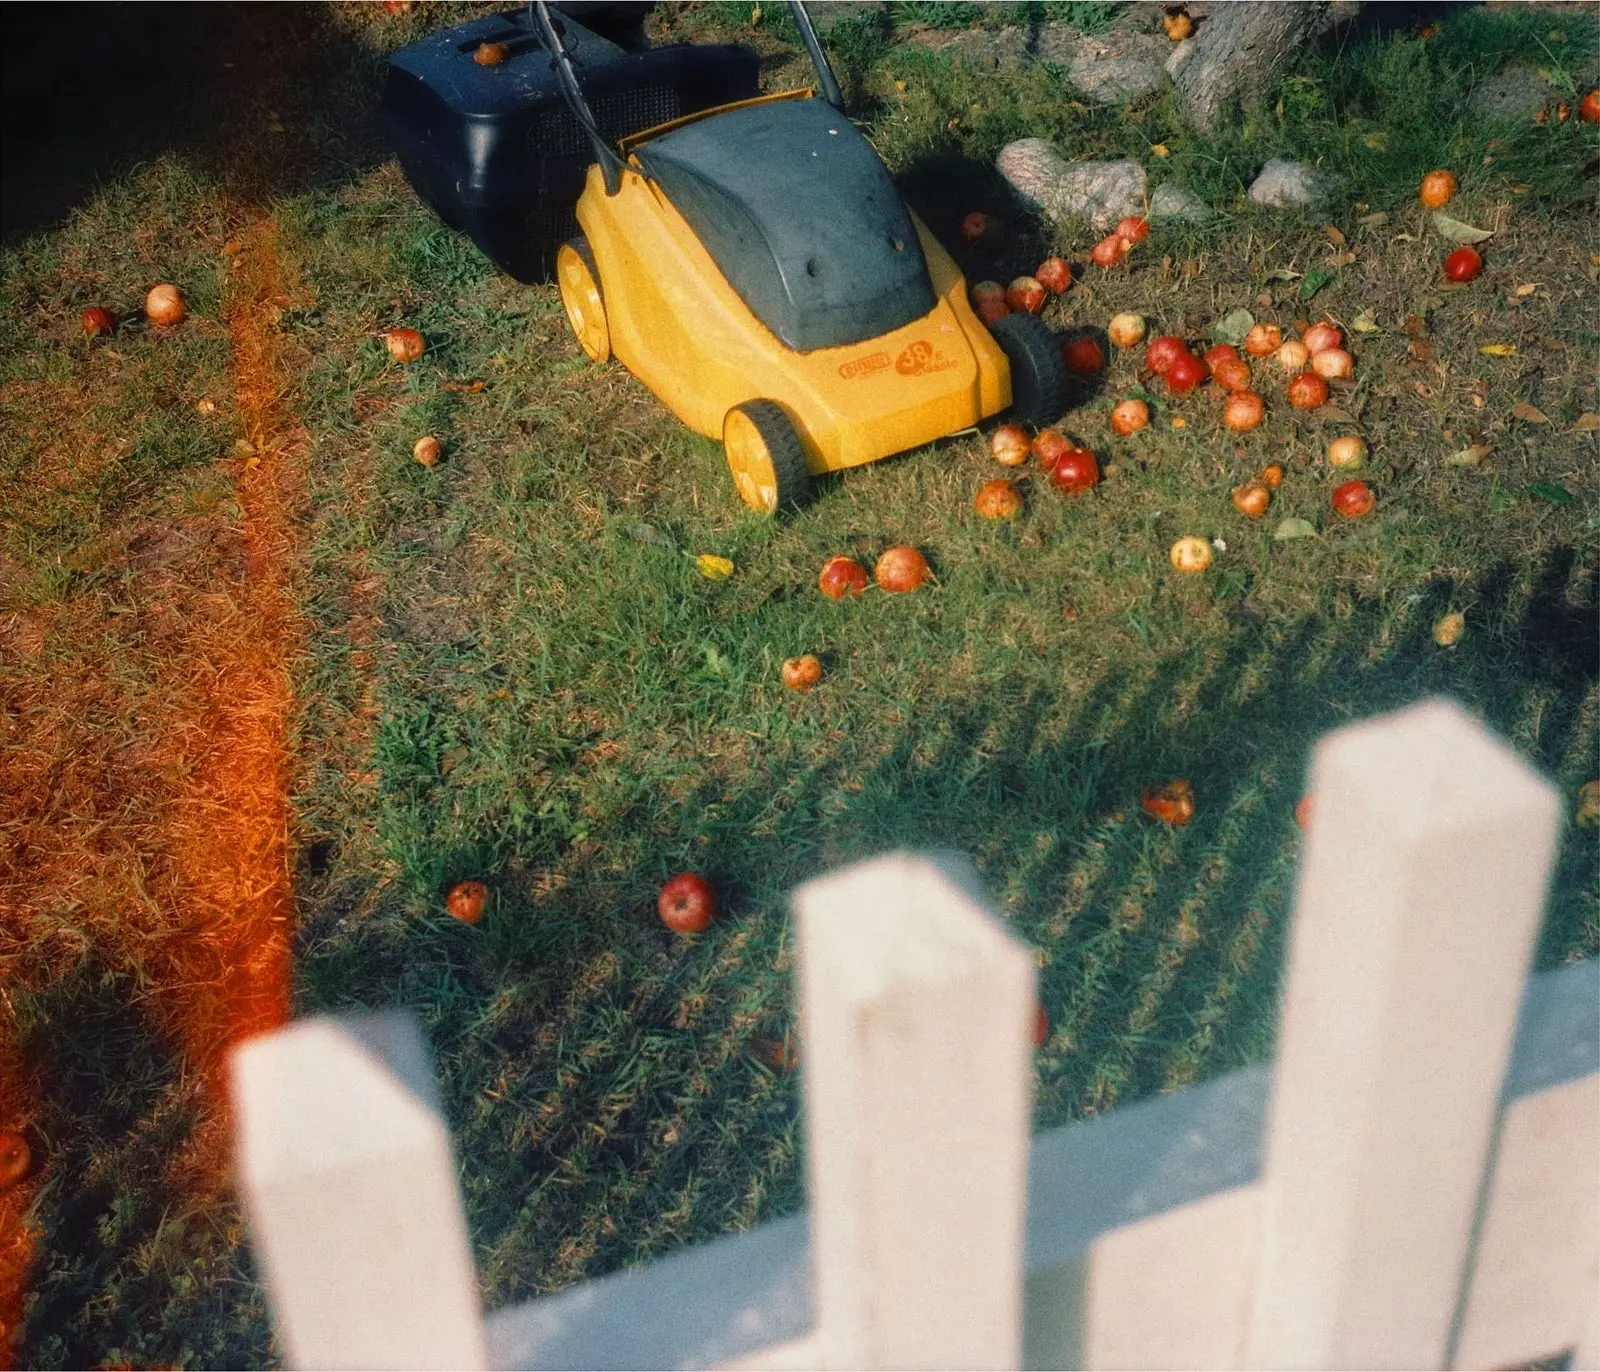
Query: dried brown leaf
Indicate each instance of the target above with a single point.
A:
(1334, 235)
(1587, 423)
(1530, 414)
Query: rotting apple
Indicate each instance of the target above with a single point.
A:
(841, 577)
(1251, 499)
(1129, 417)
(980, 291)
(1190, 555)
(974, 226)
(991, 310)
(1292, 356)
(1263, 340)
(1219, 352)
(1109, 251)
(1162, 351)
(97, 320)
(1244, 411)
(1126, 330)
(800, 673)
(164, 305)
(1025, 295)
(1307, 391)
(466, 900)
(1171, 804)
(687, 904)
(1048, 445)
(1333, 364)
(901, 569)
(1438, 189)
(1348, 452)
(998, 499)
(1271, 476)
(1132, 230)
(1231, 373)
(1010, 445)
(1321, 337)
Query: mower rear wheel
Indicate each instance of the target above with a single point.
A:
(1038, 375)
(579, 280)
(765, 456)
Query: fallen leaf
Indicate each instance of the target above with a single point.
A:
(1314, 282)
(1421, 349)
(714, 568)
(243, 448)
(1334, 414)
(1545, 490)
(1334, 235)
(1415, 326)
(1587, 423)
(1234, 327)
(1282, 274)
(1468, 457)
(1294, 528)
(1341, 259)
(1447, 629)
(1499, 350)
(1375, 220)
(1364, 323)
(1179, 422)
(465, 387)
(1530, 414)
(1424, 390)
(1377, 142)
(1160, 150)
(1526, 290)
(1456, 231)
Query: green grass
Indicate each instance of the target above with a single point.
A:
(506, 678)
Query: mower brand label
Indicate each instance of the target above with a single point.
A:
(920, 358)
(864, 366)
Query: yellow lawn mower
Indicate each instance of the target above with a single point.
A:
(755, 267)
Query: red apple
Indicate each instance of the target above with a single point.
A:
(1048, 445)
(1463, 264)
(1109, 251)
(1251, 499)
(1244, 411)
(1263, 340)
(1589, 107)
(687, 904)
(404, 345)
(1332, 363)
(1353, 500)
(1129, 417)
(800, 673)
(974, 226)
(986, 290)
(1160, 353)
(97, 320)
(1219, 352)
(1025, 295)
(1185, 374)
(1307, 391)
(1171, 804)
(998, 499)
(991, 310)
(841, 577)
(1132, 230)
(1075, 471)
(901, 568)
(1321, 337)
(1231, 373)
(1082, 355)
(1010, 445)
(465, 901)
(1054, 274)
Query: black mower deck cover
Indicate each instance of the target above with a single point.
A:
(495, 151)
(799, 214)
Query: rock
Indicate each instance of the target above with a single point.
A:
(1518, 92)
(1287, 185)
(1117, 80)
(1100, 192)
(1177, 204)
(1180, 54)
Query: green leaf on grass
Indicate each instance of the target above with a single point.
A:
(1456, 231)
(1294, 528)
(1314, 281)
(1234, 327)
(1556, 495)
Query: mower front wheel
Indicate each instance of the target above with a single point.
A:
(1038, 375)
(765, 456)
(579, 281)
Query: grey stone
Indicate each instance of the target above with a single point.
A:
(1180, 54)
(1099, 192)
(1173, 204)
(1117, 80)
(1287, 185)
(1518, 92)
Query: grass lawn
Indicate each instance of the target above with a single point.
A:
(508, 667)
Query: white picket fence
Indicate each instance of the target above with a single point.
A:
(1413, 1182)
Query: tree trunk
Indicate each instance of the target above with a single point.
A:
(1239, 48)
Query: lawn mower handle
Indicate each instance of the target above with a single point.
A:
(819, 59)
(605, 155)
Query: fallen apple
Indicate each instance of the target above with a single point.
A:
(1126, 330)
(1251, 499)
(841, 577)
(404, 345)
(164, 305)
(800, 673)
(1353, 500)
(1054, 274)
(1132, 230)
(1129, 417)
(1190, 555)
(1589, 107)
(974, 226)
(1082, 355)
(687, 904)
(1177, 24)
(15, 1160)
(1231, 373)
(1163, 351)
(1307, 391)
(990, 310)
(1263, 340)
(901, 569)
(1438, 189)
(986, 290)
(1348, 452)
(491, 54)
(1321, 337)
(1220, 352)
(1244, 411)
(1171, 804)
(97, 320)
(1186, 373)
(1292, 356)
(1048, 445)
(998, 499)
(1447, 629)
(1075, 471)
(1333, 364)
(1025, 295)
(465, 901)
(1109, 251)
(426, 451)
(1010, 445)
(1463, 264)
(1271, 476)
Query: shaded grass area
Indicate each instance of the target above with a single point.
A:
(515, 673)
